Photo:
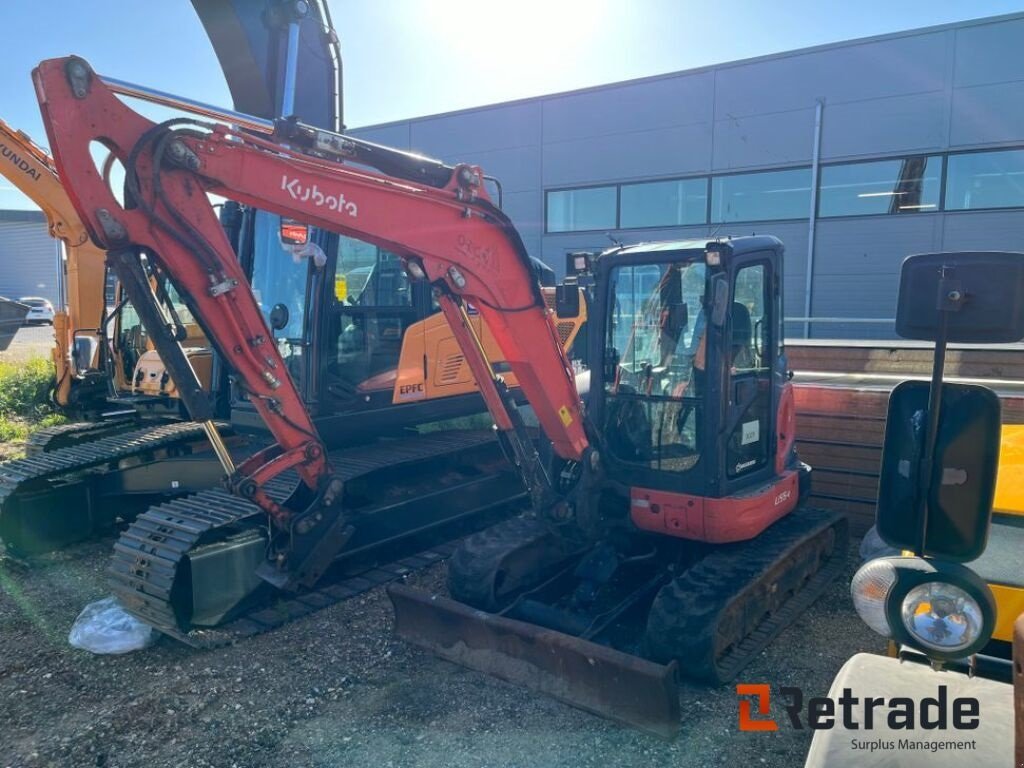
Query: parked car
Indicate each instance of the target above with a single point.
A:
(40, 310)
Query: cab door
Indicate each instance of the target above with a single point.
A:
(750, 349)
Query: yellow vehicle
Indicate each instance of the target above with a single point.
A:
(31, 170)
(1002, 563)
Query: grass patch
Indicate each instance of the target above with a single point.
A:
(25, 404)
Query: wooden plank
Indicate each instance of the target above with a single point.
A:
(882, 357)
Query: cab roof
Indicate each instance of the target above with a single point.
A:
(739, 245)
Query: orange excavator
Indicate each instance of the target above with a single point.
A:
(674, 496)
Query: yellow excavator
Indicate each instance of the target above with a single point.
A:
(31, 170)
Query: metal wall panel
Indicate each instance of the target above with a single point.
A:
(392, 135)
(643, 155)
(526, 209)
(501, 127)
(783, 138)
(846, 72)
(881, 126)
(28, 257)
(989, 53)
(857, 265)
(983, 230)
(677, 100)
(518, 169)
(986, 114)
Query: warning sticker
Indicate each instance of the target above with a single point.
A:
(565, 416)
(751, 432)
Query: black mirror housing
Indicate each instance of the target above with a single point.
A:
(980, 293)
(567, 301)
(279, 317)
(720, 303)
(962, 486)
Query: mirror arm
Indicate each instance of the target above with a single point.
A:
(950, 298)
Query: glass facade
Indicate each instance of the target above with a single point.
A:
(902, 185)
(985, 180)
(664, 203)
(764, 196)
(580, 210)
(973, 180)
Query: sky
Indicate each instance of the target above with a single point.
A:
(408, 58)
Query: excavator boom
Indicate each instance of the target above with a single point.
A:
(449, 234)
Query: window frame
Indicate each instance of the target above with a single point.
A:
(803, 167)
(706, 178)
(549, 192)
(976, 151)
(941, 156)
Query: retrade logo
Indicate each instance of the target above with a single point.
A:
(938, 712)
(763, 696)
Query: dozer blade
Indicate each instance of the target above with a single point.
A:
(586, 675)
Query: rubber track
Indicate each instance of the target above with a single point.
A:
(31, 470)
(479, 558)
(149, 553)
(685, 615)
(46, 439)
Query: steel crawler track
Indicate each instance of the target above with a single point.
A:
(151, 556)
(62, 435)
(52, 470)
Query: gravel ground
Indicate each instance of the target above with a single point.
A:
(30, 341)
(336, 689)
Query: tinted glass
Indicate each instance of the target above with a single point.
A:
(367, 276)
(761, 196)
(278, 276)
(573, 210)
(985, 180)
(906, 185)
(747, 445)
(656, 331)
(664, 203)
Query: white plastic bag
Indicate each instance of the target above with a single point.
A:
(105, 627)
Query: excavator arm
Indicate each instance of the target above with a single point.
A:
(438, 219)
(32, 171)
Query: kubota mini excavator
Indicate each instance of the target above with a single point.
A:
(369, 351)
(676, 494)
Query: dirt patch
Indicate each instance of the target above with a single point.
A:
(336, 689)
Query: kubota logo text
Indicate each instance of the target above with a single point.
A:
(305, 194)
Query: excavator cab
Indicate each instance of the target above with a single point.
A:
(687, 397)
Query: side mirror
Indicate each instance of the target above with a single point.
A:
(978, 294)
(720, 303)
(293, 232)
(567, 301)
(279, 317)
(963, 480)
(941, 445)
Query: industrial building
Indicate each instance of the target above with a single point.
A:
(855, 154)
(28, 256)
